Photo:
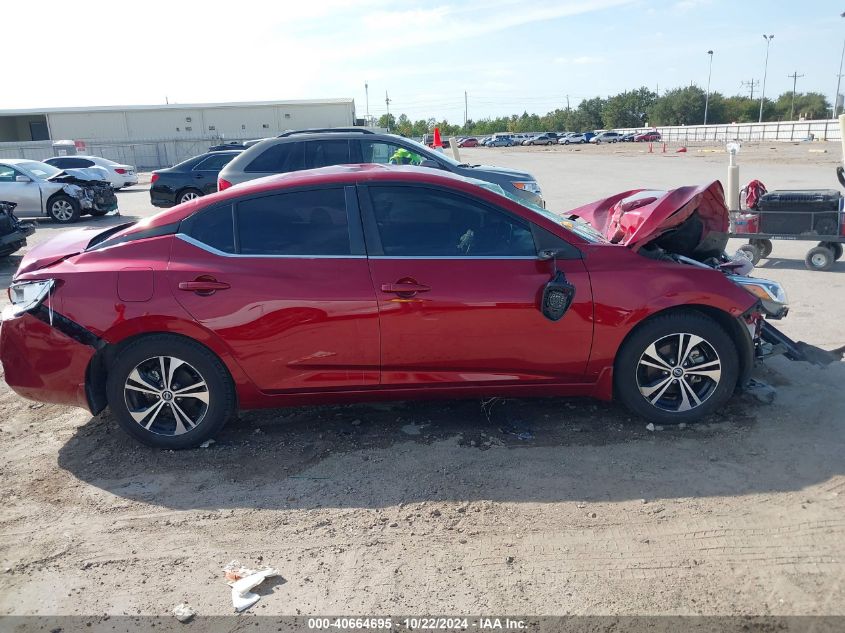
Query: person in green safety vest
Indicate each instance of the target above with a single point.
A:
(404, 156)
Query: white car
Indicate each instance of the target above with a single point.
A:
(40, 189)
(119, 175)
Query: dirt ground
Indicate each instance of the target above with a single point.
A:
(514, 506)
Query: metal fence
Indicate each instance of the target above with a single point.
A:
(820, 130)
(146, 154)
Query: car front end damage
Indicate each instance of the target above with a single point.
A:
(13, 232)
(689, 225)
(89, 187)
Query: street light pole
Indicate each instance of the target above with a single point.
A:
(367, 93)
(768, 39)
(707, 98)
(838, 82)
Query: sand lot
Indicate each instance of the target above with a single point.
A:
(436, 508)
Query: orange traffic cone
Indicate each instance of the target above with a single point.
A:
(438, 143)
(680, 150)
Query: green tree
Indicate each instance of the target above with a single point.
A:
(680, 106)
(627, 109)
(387, 121)
(810, 105)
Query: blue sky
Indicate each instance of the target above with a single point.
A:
(508, 55)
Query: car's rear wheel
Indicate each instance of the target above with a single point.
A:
(676, 368)
(169, 392)
(820, 258)
(63, 209)
(189, 194)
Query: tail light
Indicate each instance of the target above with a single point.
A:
(222, 184)
(120, 170)
(153, 178)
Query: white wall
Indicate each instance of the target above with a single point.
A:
(230, 122)
(822, 130)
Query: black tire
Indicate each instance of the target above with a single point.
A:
(566, 142)
(764, 246)
(188, 194)
(820, 258)
(63, 209)
(97, 214)
(753, 252)
(198, 365)
(836, 247)
(716, 346)
(714, 350)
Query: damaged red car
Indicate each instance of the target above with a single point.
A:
(364, 282)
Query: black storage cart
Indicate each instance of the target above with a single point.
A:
(814, 215)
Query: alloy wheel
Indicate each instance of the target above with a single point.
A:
(188, 195)
(62, 210)
(166, 396)
(678, 372)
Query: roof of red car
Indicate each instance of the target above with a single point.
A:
(335, 174)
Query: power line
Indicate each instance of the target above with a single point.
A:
(795, 77)
(751, 84)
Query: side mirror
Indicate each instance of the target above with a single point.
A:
(549, 254)
(431, 164)
(23, 179)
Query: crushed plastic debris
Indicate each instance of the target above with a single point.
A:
(518, 431)
(184, 612)
(651, 426)
(242, 580)
(207, 443)
(760, 390)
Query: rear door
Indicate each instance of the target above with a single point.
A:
(284, 281)
(458, 283)
(204, 173)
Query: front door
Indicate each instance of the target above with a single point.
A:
(287, 289)
(27, 195)
(458, 283)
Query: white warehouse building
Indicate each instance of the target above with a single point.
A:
(152, 136)
(237, 120)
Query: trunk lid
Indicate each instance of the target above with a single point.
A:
(685, 220)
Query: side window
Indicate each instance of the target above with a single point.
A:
(213, 163)
(325, 153)
(213, 227)
(296, 223)
(7, 174)
(75, 163)
(418, 222)
(378, 151)
(279, 158)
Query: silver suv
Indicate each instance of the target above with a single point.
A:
(309, 149)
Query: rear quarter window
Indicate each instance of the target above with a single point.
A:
(213, 227)
(279, 158)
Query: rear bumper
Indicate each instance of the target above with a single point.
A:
(41, 362)
(162, 197)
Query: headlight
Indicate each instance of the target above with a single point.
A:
(28, 295)
(771, 293)
(528, 185)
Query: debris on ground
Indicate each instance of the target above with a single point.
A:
(518, 430)
(651, 426)
(412, 429)
(763, 392)
(242, 580)
(184, 612)
(207, 443)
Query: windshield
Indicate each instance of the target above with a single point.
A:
(579, 227)
(426, 152)
(42, 171)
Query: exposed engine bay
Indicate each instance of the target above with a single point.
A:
(89, 186)
(13, 232)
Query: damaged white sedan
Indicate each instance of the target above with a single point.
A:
(62, 194)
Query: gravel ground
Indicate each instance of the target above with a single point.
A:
(523, 506)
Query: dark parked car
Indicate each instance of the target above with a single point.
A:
(628, 137)
(308, 149)
(189, 179)
(359, 283)
(13, 232)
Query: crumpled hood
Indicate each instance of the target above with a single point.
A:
(88, 174)
(640, 216)
(64, 245)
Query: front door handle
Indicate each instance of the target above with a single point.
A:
(204, 285)
(405, 288)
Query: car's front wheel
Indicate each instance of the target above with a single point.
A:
(676, 368)
(63, 209)
(169, 392)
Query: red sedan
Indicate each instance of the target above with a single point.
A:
(468, 142)
(651, 136)
(367, 282)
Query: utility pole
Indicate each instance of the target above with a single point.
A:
(466, 109)
(838, 77)
(367, 93)
(751, 84)
(387, 103)
(795, 77)
(567, 103)
(707, 98)
(768, 39)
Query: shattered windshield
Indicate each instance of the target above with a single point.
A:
(579, 227)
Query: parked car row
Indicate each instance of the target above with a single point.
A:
(567, 138)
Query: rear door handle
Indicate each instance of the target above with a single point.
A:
(405, 288)
(205, 286)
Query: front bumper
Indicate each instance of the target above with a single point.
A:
(40, 361)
